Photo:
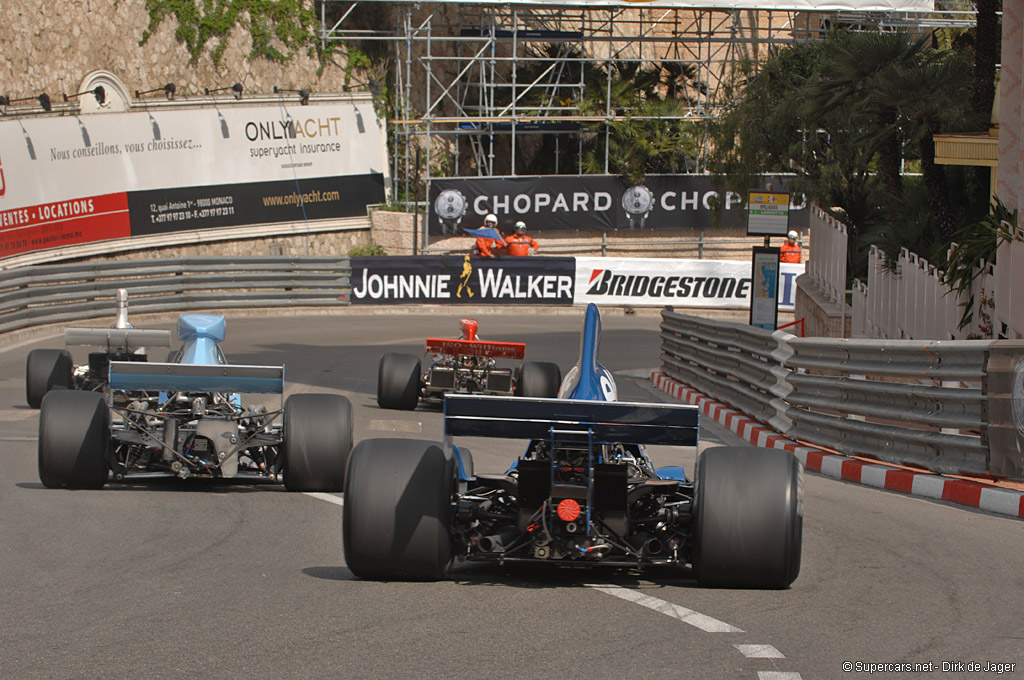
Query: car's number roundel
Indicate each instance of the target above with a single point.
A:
(608, 388)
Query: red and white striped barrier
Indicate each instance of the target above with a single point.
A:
(929, 485)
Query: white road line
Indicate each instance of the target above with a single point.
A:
(12, 415)
(759, 652)
(396, 426)
(325, 497)
(777, 675)
(695, 619)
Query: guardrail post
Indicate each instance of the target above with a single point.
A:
(1003, 419)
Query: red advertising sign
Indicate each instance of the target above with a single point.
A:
(64, 223)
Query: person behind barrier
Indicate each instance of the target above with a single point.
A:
(484, 244)
(518, 243)
(790, 251)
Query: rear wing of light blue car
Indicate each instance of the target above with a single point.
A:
(117, 339)
(595, 421)
(139, 375)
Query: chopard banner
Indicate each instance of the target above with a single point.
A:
(461, 279)
(571, 202)
(683, 283)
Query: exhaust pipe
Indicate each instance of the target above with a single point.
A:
(497, 543)
(647, 545)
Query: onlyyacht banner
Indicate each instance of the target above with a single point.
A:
(91, 177)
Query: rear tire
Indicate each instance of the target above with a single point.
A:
(74, 440)
(398, 510)
(317, 441)
(748, 522)
(539, 379)
(398, 381)
(45, 370)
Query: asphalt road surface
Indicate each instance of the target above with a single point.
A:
(167, 579)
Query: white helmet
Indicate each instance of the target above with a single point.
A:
(491, 218)
(520, 226)
(792, 234)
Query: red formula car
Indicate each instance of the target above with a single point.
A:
(467, 365)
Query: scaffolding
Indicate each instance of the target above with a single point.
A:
(476, 84)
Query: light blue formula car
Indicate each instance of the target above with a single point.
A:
(584, 493)
(185, 418)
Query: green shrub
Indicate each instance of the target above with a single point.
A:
(367, 251)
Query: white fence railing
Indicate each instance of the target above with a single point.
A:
(827, 268)
(911, 301)
(1008, 287)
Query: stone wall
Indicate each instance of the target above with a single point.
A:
(337, 243)
(50, 47)
(821, 317)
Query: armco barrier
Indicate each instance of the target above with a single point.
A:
(948, 406)
(58, 293)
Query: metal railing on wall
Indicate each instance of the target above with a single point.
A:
(925, 404)
(58, 293)
(718, 246)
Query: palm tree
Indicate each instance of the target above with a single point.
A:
(932, 96)
(986, 55)
(854, 76)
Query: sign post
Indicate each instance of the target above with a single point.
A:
(764, 289)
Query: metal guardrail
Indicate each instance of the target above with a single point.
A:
(923, 404)
(57, 293)
(699, 246)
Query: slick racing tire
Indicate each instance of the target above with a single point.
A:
(74, 440)
(317, 432)
(398, 381)
(748, 519)
(398, 510)
(539, 379)
(47, 369)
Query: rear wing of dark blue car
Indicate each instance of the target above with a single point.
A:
(598, 421)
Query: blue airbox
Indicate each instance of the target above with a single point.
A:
(210, 326)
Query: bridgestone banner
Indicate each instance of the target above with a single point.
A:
(587, 202)
(461, 279)
(683, 283)
(77, 179)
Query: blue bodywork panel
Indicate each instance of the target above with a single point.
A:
(674, 472)
(588, 379)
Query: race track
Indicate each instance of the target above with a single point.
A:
(193, 580)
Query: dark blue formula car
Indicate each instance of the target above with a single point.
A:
(584, 493)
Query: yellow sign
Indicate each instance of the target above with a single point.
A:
(767, 213)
